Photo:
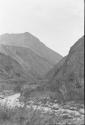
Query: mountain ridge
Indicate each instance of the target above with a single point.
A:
(28, 40)
(68, 80)
(30, 52)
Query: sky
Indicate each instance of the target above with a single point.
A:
(57, 23)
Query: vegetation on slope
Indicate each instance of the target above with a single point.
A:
(68, 79)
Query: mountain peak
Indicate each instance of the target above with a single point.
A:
(29, 51)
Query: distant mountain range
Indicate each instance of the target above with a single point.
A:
(67, 77)
(28, 51)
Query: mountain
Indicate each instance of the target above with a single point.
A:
(28, 50)
(12, 73)
(67, 77)
(51, 74)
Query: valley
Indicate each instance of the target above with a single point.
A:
(37, 85)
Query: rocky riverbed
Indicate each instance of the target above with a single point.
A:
(70, 113)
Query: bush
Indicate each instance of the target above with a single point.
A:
(4, 114)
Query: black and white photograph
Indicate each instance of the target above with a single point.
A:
(42, 62)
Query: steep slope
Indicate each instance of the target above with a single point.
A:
(68, 80)
(12, 73)
(35, 55)
(28, 59)
(51, 74)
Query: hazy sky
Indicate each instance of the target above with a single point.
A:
(57, 23)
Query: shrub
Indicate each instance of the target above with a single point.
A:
(4, 114)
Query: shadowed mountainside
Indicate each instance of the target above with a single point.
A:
(67, 78)
(51, 74)
(12, 73)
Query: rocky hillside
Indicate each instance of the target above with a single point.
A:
(33, 55)
(51, 74)
(67, 78)
(12, 73)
